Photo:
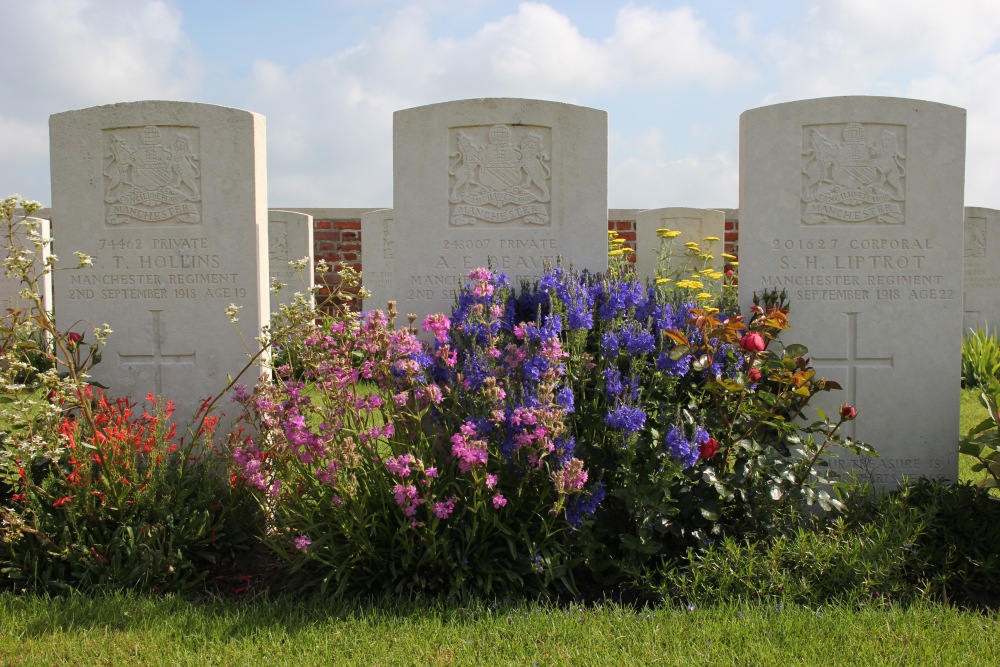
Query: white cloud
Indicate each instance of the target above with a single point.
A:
(68, 54)
(975, 89)
(339, 108)
(87, 52)
(669, 47)
(646, 173)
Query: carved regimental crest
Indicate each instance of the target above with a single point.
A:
(853, 173)
(277, 243)
(152, 175)
(500, 174)
(975, 237)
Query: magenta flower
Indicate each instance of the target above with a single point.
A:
(491, 481)
(439, 324)
(302, 542)
(499, 501)
(444, 509)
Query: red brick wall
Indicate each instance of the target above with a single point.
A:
(338, 242)
(626, 231)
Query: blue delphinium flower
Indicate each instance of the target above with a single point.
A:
(610, 344)
(637, 340)
(626, 418)
(564, 399)
(675, 368)
(680, 448)
(582, 505)
(613, 381)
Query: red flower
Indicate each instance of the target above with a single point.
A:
(62, 501)
(848, 412)
(753, 342)
(753, 375)
(709, 449)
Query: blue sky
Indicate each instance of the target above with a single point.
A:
(328, 75)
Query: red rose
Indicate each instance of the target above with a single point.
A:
(74, 337)
(848, 412)
(753, 342)
(709, 449)
(753, 375)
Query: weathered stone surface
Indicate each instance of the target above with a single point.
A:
(169, 198)
(290, 239)
(378, 250)
(982, 268)
(853, 206)
(511, 182)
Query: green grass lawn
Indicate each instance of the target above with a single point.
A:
(168, 631)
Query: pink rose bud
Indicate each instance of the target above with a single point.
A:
(753, 342)
(753, 375)
(74, 337)
(848, 412)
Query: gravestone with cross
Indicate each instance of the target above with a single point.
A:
(853, 206)
(168, 198)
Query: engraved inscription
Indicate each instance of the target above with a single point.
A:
(157, 359)
(500, 174)
(853, 173)
(152, 175)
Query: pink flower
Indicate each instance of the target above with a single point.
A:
(444, 509)
(302, 542)
(491, 481)
(400, 465)
(431, 472)
(753, 342)
(848, 412)
(753, 375)
(439, 324)
(499, 501)
(572, 477)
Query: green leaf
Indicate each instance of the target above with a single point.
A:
(679, 352)
(795, 350)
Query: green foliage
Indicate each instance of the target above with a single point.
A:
(982, 442)
(955, 557)
(127, 506)
(980, 358)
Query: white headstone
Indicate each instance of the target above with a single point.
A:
(853, 206)
(169, 198)
(982, 269)
(515, 182)
(289, 239)
(10, 287)
(695, 224)
(378, 248)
